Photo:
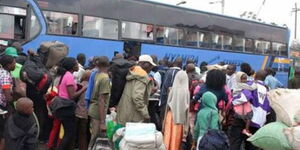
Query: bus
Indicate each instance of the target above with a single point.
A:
(134, 27)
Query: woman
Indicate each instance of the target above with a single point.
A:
(207, 117)
(215, 83)
(67, 90)
(176, 119)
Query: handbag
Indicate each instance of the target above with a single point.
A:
(61, 106)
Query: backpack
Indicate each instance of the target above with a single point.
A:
(119, 70)
(52, 52)
(35, 74)
(214, 140)
(162, 73)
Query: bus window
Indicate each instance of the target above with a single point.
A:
(169, 36)
(249, 46)
(61, 23)
(205, 39)
(238, 43)
(279, 49)
(100, 28)
(263, 47)
(216, 41)
(12, 23)
(135, 30)
(192, 38)
(227, 42)
(35, 26)
(7, 26)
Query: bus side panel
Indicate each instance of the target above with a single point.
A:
(212, 57)
(90, 47)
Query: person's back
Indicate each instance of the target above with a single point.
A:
(207, 117)
(20, 130)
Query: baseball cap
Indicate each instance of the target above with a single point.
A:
(11, 51)
(146, 58)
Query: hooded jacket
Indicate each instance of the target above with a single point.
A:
(207, 117)
(133, 105)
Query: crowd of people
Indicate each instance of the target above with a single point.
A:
(184, 101)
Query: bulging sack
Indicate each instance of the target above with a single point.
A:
(285, 103)
(293, 136)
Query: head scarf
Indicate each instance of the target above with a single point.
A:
(242, 86)
(179, 98)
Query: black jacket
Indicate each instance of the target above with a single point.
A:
(20, 133)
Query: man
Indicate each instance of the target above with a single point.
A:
(99, 101)
(81, 61)
(167, 84)
(8, 64)
(260, 107)
(294, 83)
(230, 76)
(133, 105)
(271, 81)
(11, 51)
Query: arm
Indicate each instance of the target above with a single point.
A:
(72, 93)
(138, 90)
(102, 111)
(104, 90)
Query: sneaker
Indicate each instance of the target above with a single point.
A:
(246, 132)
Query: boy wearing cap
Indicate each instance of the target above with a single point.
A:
(133, 106)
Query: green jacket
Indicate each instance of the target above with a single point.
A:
(207, 117)
(133, 105)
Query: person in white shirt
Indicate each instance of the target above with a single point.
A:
(81, 61)
(230, 76)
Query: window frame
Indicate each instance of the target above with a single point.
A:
(135, 39)
(78, 34)
(264, 51)
(178, 28)
(82, 25)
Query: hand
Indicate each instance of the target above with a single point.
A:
(102, 127)
(193, 147)
(112, 109)
(154, 90)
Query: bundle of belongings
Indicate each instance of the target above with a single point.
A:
(284, 134)
(139, 136)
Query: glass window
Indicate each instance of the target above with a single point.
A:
(170, 36)
(192, 38)
(12, 10)
(216, 41)
(61, 23)
(249, 46)
(263, 47)
(35, 26)
(279, 49)
(205, 39)
(100, 27)
(7, 29)
(226, 42)
(238, 43)
(135, 30)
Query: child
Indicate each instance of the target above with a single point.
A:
(207, 117)
(20, 129)
(242, 107)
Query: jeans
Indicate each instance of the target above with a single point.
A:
(69, 124)
(236, 137)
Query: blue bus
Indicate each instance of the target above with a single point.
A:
(134, 27)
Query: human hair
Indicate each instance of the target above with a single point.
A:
(261, 75)
(66, 64)
(203, 63)
(102, 61)
(177, 62)
(81, 58)
(245, 67)
(215, 79)
(270, 71)
(6, 60)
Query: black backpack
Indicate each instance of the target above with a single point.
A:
(35, 74)
(119, 70)
(162, 73)
(214, 139)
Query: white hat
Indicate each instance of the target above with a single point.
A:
(146, 58)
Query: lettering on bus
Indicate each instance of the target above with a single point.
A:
(171, 57)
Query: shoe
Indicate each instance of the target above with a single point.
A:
(246, 132)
